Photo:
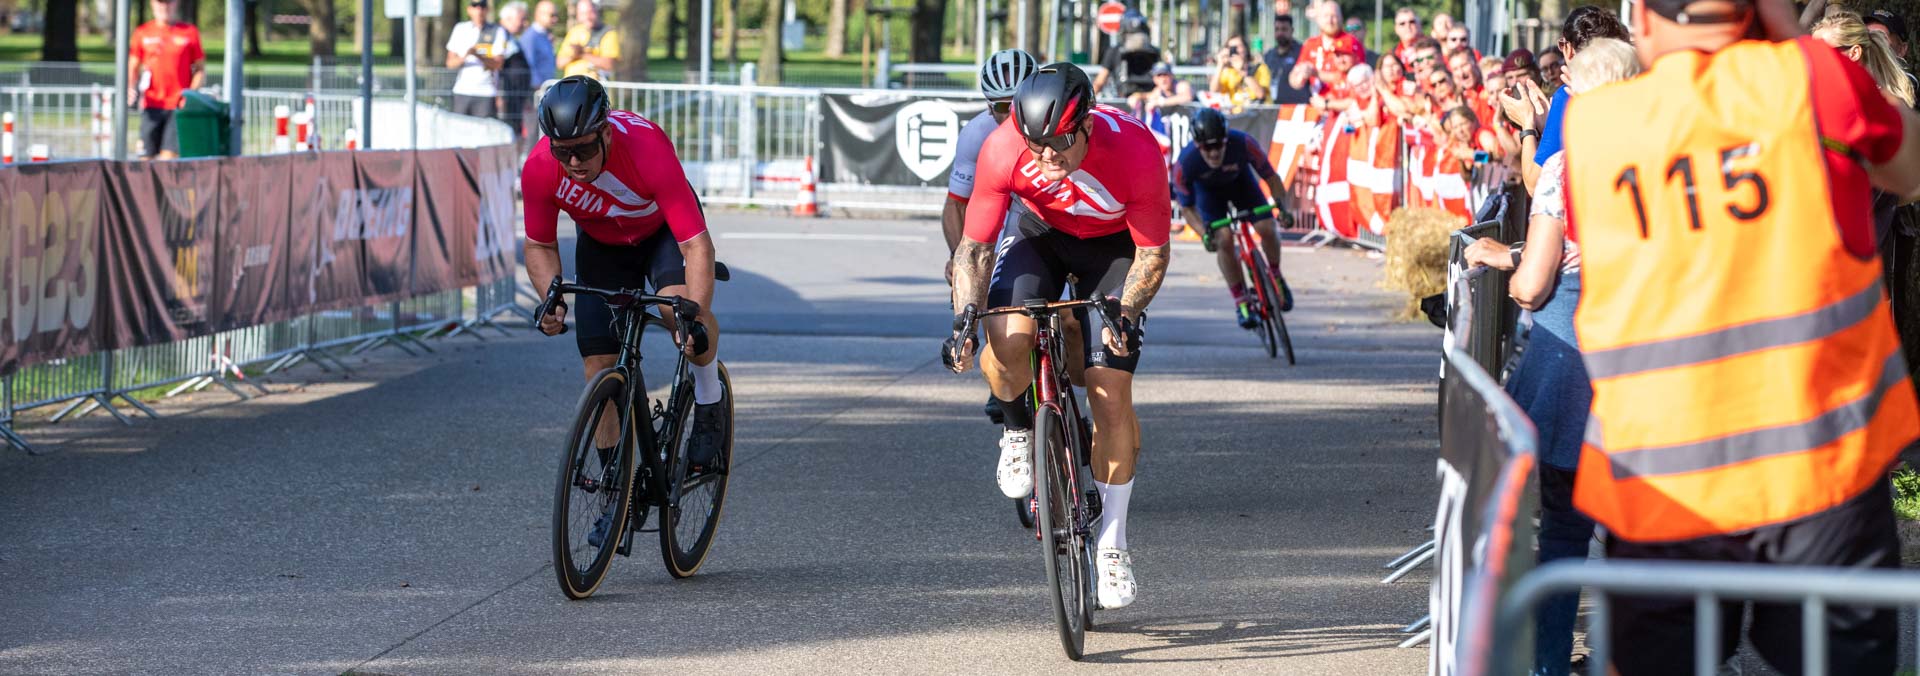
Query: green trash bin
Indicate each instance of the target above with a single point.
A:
(202, 126)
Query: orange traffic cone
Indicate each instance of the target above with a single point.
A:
(808, 206)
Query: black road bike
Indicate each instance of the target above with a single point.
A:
(1065, 505)
(605, 493)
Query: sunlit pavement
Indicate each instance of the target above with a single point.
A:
(396, 522)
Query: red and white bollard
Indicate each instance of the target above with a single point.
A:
(353, 139)
(281, 143)
(102, 136)
(301, 124)
(808, 205)
(37, 152)
(6, 138)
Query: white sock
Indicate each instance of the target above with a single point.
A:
(706, 382)
(1113, 514)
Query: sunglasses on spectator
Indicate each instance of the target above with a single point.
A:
(1059, 144)
(585, 152)
(1424, 59)
(1354, 27)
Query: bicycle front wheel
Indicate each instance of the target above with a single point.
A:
(1064, 548)
(1276, 321)
(687, 526)
(1266, 306)
(594, 493)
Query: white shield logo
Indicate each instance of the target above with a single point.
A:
(925, 133)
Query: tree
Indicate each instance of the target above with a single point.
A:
(770, 55)
(730, 25)
(321, 30)
(695, 41)
(675, 27)
(396, 36)
(837, 29)
(636, 35)
(929, 17)
(62, 31)
(253, 29)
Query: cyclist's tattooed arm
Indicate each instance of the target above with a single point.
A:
(971, 267)
(1143, 279)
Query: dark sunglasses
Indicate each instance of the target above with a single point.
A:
(584, 152)
(1424, 59)
(1000, 107)
(1059, 144)
(1214, 146)
(1408, 22)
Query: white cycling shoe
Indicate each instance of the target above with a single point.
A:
(1015, 472)
(1116, 588)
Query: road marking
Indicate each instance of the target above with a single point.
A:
(827, 236)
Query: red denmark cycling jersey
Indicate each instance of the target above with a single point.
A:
(641, 188)
(1121, 185)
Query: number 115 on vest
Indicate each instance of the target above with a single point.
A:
(1743, 190)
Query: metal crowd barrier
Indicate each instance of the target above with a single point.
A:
(741, 145)
(1708, 584)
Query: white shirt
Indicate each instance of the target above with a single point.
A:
(967, 157)
(474, 79)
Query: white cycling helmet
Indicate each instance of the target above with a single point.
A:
(1004, 70)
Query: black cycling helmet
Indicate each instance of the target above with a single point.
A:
(1133, 22)
(1052, 102)
(572, 108)
(1209, 127)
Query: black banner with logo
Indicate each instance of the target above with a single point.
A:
(98, 255)
(250, 266)
(891, 139)
(160, 258)
(50, 222)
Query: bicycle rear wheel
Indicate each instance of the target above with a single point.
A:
(592, 488)
(1277, 321)
(1265, 306)
(1064, 549)
(688, 525)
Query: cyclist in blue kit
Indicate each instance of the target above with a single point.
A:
(1219, 168)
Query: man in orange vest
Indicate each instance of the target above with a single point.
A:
(1749, 393)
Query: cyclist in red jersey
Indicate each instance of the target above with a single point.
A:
(615, 173)
(1094, 183)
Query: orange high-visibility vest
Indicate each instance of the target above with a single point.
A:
(1745, 367)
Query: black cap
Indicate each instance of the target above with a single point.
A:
(1676, 11)
(1894, 24)
(476, 3)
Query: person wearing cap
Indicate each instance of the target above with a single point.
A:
(1894, 26)
(590, 48)
(477, 49)
(1749, 391)
(1520, 65)
(1280, 60)
(1168, 91)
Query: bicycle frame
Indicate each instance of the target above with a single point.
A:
(1048, 375)
(632, 323)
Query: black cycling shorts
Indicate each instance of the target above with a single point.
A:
(654, 264)
(1034, 261)
(1655, 634)
(1244, 195)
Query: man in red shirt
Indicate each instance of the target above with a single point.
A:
(1406, 25)
(1317, 55)
(169, 52)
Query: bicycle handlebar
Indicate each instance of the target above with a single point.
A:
(1234, 214)
(683, 308)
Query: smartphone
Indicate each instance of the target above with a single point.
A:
(1480, 157)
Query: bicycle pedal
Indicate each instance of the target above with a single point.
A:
(626, 547)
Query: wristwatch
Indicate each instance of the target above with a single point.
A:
(1524, 133)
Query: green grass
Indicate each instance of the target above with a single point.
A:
(1906, 494)
(94, 49)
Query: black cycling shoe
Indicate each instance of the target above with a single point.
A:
(993, 410)
(709, 433)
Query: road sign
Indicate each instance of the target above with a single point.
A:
(1109, 17)
(397, 9)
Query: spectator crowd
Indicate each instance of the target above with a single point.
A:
(500, 65)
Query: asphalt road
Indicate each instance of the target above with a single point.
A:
(396, 522)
